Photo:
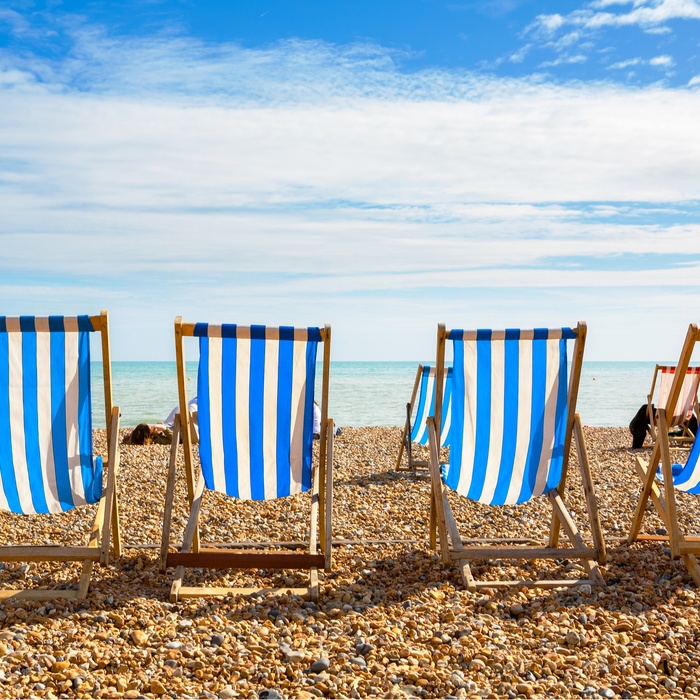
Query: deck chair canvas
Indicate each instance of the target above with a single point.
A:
(661, 478)
(415, 430)
(513, 419)
(255, 398)
(687, 401)
(46, 456)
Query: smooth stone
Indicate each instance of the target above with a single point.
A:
(320, 665)
(217, 639)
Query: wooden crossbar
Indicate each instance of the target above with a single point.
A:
(42, 553)
(523, 553)
(233, 559)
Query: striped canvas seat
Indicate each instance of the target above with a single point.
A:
(260, 448)
(46, 462)
(660, 476)
(512, 422)
(46, 456)
(683, 408)
(686, 476)
(426, 407)
(415, 429)
(509, 424)
(255, 389)
(681, 412)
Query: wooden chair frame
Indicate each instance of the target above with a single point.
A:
(663, 496)
(238, 554)
(411, 464)
(106, 518)
(452, 545)
(687, 435)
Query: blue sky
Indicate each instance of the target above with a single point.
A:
(378, 166)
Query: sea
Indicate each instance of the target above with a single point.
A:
(366, 393)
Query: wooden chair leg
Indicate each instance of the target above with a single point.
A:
(589, 491)
(437, 490)
(647, 485)
(169, 496)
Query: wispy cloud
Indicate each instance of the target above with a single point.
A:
(644, 13)
(305, 180)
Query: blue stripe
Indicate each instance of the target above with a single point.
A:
(58, 419)
(26, 324)
(7, 467)
(311, 349)
(229, 357)
(457, 408)
(418, 434)
(510, 420)
(31, 416)
(539, 381)
(56, 324)
(256, 413)
(686, 472)
(446, 399)
(204, 408)
(557, 461)
(483, 414)
(201, 330)
(284, 415)
(92, 481)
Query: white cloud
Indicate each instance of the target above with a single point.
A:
(304, 182)
(645, 14)
(662, 61)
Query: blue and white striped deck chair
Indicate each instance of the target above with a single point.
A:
(46, 458)
(670, 476)
(255, 390)
(416, 429)
(513, 416)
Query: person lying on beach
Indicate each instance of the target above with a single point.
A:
(162, 433)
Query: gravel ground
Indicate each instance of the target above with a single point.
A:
(392, 620)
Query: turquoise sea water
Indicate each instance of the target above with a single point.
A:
(368, 393)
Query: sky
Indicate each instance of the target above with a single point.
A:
(379, 166)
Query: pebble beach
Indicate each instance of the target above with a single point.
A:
(392, 621)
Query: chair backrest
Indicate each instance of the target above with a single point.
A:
(688, 393)
(255, 390)
(512, 411)
(46, 461)
(426, 406)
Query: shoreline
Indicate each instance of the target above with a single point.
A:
(392, 621)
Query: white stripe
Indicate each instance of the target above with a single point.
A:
(19, 453)
(692, 480)
(469, 437)
(270, 417)
(298, 410)
(72, 436)
(48, 468)
(522, 439)
(243, 415)
(216, 390)
(493, 462)
(550, 413)
(429, 391)
(447, 418)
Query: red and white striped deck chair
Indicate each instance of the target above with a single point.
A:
(680, 415)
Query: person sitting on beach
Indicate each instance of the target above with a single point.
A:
(162, 433)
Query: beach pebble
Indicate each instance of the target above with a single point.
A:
(320, 665)
(388, 602)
